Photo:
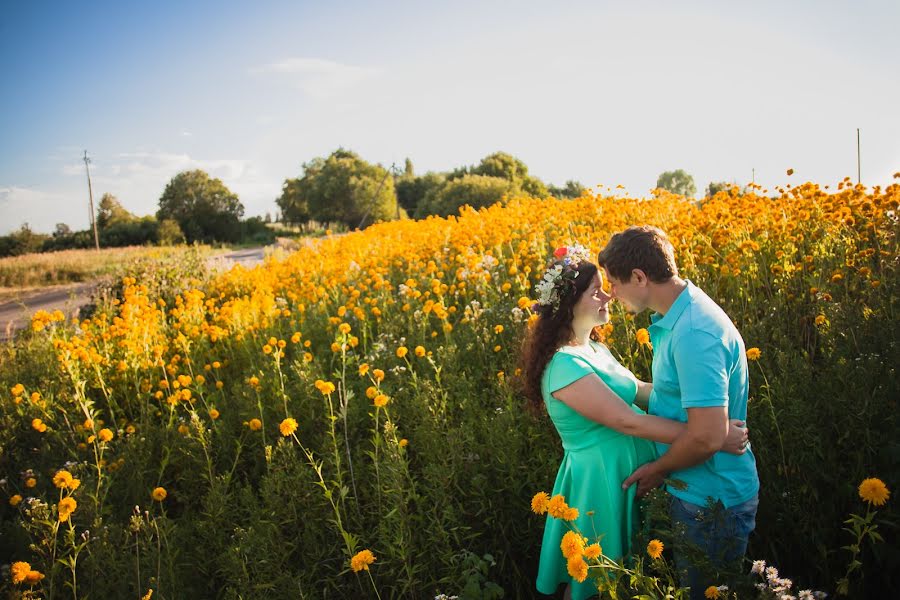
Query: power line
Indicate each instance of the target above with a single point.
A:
(87, 162)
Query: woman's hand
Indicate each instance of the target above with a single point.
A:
(737, 439)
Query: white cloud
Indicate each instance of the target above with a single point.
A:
(319, 78)
(138, 179)
(41, 209)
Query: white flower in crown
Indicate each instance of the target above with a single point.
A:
(572, 255)
(561, 274)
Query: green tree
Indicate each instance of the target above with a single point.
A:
(169, 233)
(475, 190)
(293, 204)
(203, 207)
(62, 230)
(22, 241)
(111, 212)
(343, 188)
(411, 191)
(572, 189)
(677, 182)
(507, 166)
(715, 187)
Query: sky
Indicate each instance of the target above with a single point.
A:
(601, 92)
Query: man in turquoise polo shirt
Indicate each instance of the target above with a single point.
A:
(700, 378)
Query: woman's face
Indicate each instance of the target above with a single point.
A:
(593, 306)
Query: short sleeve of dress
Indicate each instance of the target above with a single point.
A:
(565, 369)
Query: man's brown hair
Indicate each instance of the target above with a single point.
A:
(639, 247)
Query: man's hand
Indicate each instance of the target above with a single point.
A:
(647, 477)
(737, 439)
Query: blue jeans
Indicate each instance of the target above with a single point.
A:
(717, 533)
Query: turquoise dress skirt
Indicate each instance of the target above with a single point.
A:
(596, 461)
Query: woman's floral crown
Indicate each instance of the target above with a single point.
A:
(560, 276)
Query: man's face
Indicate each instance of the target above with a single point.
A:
(632, 293)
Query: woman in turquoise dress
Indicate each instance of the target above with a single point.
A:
(590, 398)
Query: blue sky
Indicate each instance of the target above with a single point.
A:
(602, 92)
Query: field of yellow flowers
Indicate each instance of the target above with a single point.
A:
(246, 435)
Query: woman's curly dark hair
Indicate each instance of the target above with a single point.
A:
(552, 330)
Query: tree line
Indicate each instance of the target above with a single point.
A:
(341, 189)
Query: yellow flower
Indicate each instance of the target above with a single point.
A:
(62, 479)
(380, 400)
(326, 387)
(753, 354)
(213, 414)
(593, 551)
(402, 351)
(572, 544)
(288, 426)
(254, 381)
(498, 328)
(335, 347)
(33, 577)
(267, 349)
(363, 369)
(873, 491)
(403, 443)
(159, 494)
(371, 392)
(655, 549)
(19, 571)
(420, 351)
(66, 507)
(38, 425)
(570, 514)
(378, 375)
(712, 591)
(30, 482)
(643, 337)
(18, 390)
(344, 328)
(105, 435)
(557, 506)
(255, 424)
(148, 595)
(540, 503)
(295, 339)
(361, 560)
(15, 499)
(577, 568)
(820, 319)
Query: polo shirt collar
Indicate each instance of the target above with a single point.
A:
(668, 320)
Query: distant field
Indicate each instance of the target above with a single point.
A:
(68, 266)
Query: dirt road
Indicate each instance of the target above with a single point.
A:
(16, 314)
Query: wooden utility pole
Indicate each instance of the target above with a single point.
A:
(858, 163)
(87, 167)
